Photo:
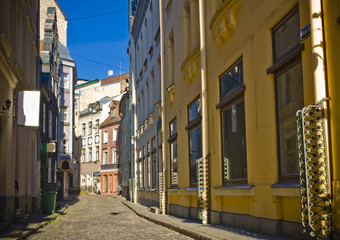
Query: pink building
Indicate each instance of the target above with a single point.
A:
(110, 173)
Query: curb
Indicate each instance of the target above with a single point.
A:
(31, 230)
(179, 229)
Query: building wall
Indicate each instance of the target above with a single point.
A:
(18, 145)
(61, 19)
(144, 51)
(257, 200)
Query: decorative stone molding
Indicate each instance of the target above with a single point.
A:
(151, 118)
(141, 129)
(158, 109)
(34, 47)
(190, 65)
(29, 24)
(5, 44)
(19, 72)
(137, 133)
(146, 124)
(171, 93)
(223, 23)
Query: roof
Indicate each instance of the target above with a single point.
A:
(64, 53)
(113, 79)
(103, 100)
(110, 121)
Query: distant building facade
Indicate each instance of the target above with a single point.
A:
(110, 165)
(124, 146)
(145, 98)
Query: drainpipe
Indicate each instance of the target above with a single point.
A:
(163, 95)
(204, 94)
(134, 97)
(316, 23)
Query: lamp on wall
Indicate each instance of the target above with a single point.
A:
(7, 105)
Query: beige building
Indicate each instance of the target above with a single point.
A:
(19, 71)
(91, 109)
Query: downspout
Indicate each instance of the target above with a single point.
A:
(317, 40)
(320, 79)
(163, 95)
(134, 97)
(204, 94)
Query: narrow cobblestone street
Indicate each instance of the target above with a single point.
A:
(102, 217)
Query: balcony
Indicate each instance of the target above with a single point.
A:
(223, 24)
(109, 166)
(190, 65)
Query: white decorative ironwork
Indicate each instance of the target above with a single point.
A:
(202, 189)
(162, 193)
(314, 172)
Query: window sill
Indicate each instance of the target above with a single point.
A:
(190, 191)
(289, 189)
(173, 191)
(235, 190)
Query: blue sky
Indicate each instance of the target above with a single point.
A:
(98, 31)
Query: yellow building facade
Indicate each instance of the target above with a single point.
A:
(234, 73)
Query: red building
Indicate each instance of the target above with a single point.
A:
(110, 172)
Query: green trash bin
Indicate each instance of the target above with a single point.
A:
(48, 201)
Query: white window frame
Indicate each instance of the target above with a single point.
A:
(64, 83)
(90, 154)
(64, 146)
(106, 136)
(64, 114)
(114, 156)
(105, 157)
(114, 134)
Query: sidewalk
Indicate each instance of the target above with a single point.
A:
(34, 222)
(193, 228)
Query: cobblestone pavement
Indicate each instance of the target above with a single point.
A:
(102, 217)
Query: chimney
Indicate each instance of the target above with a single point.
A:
(110, 73)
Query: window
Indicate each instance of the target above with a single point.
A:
(83, 132)
(113, 112)
(49, 170)
(97, 153)
(195, 139)
(83, 155)
(105, 157)
(154, 163)
(90, 154)
(44, 118)
(63, 146)
(64, 83)
(233, 124)
(148, 165)
(64, 114)
(114, 135)
(173, 154)
(288, 89)
(50, 124)
(105, 137)
(97, 126)
(114, 156)
(89, 132)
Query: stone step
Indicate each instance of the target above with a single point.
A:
(155, 210)
(21, 218)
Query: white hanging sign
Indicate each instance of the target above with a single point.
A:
(28, 108)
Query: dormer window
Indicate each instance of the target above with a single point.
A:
(90, 108)
(113, 112)
(97, 106)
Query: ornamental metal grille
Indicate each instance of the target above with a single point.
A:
(314, 172)
(162, 193)
(202, 189)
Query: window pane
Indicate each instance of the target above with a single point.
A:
(287, 35)
(289, 93)
(173, 127)
(173, 159)
(195, 152)
(234, 142)
(232, 79)
(194, 110)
